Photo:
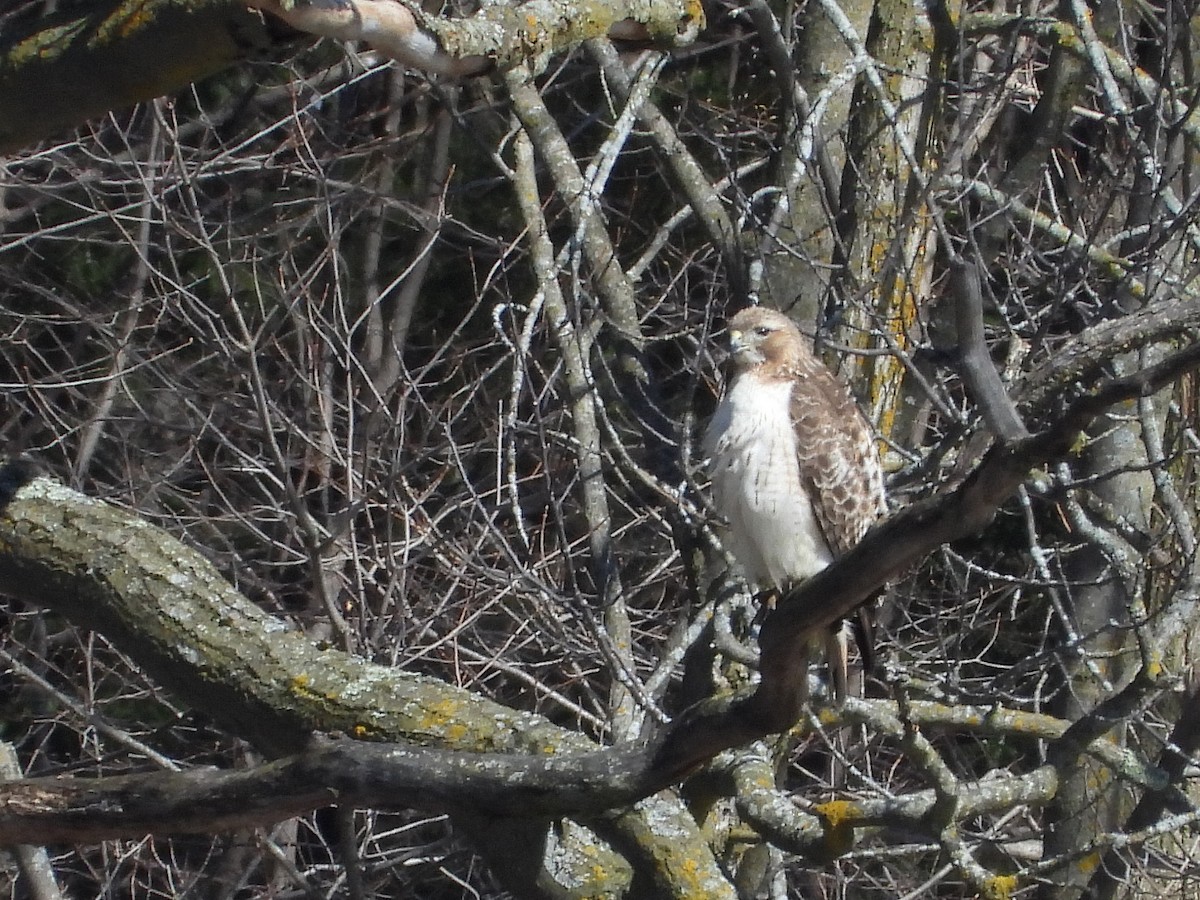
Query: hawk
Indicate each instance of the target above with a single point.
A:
(795, 469)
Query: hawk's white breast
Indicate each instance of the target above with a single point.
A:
(751, 444)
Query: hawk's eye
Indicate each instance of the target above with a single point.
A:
(762, 330)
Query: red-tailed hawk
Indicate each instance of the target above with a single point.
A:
(795, 470)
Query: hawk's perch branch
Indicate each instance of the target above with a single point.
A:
(905, 539)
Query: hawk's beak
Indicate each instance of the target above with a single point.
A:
(735, 341)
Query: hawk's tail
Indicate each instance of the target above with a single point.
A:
(836, 657)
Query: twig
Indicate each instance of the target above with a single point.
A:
(33, 862)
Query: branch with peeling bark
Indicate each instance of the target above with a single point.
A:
(107, 56)
(497, 35)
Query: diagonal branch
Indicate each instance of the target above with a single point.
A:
(902, 541)
(166, 606)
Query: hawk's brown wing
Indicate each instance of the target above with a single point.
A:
(839, 467)
(837, 456)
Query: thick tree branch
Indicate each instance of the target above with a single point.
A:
(481, 785)
(499, 34)
(74, 65)
(337, 771)
(167, 607)
(69, 67)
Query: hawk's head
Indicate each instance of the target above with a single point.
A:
(758, 336)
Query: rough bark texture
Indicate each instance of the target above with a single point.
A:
(123, 53)
(59, 72)
(166, 606)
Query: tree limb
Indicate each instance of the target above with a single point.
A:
(499, 34)
(166, 606)
(74, 65)
(71, 66)
(978, 371)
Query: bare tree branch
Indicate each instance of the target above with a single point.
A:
(979, 372)
(498, 34)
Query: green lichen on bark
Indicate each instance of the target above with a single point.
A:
(169, 608)
(61, 70)
(511, 34)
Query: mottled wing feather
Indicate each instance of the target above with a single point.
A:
(839, 468)
(838, 461)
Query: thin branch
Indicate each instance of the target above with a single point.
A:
(978, 371)
(32, 862)
(613, 639)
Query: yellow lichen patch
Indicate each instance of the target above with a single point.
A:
(361, 731)
(126, 20)
(438, 713)
(138, 19)
(301, 686)
(594, 880)
(998, 887)
(829, 717)
(1154, 665)
(835, 812)
(837, 817)
(533, 32)
(691, 875)
(48, 43)
(1088, 864)
(1098, 779)
(442, 718)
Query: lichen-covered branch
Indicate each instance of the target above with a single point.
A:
(87, 60)
(57, 72)
(165, 605)
(499, 34)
